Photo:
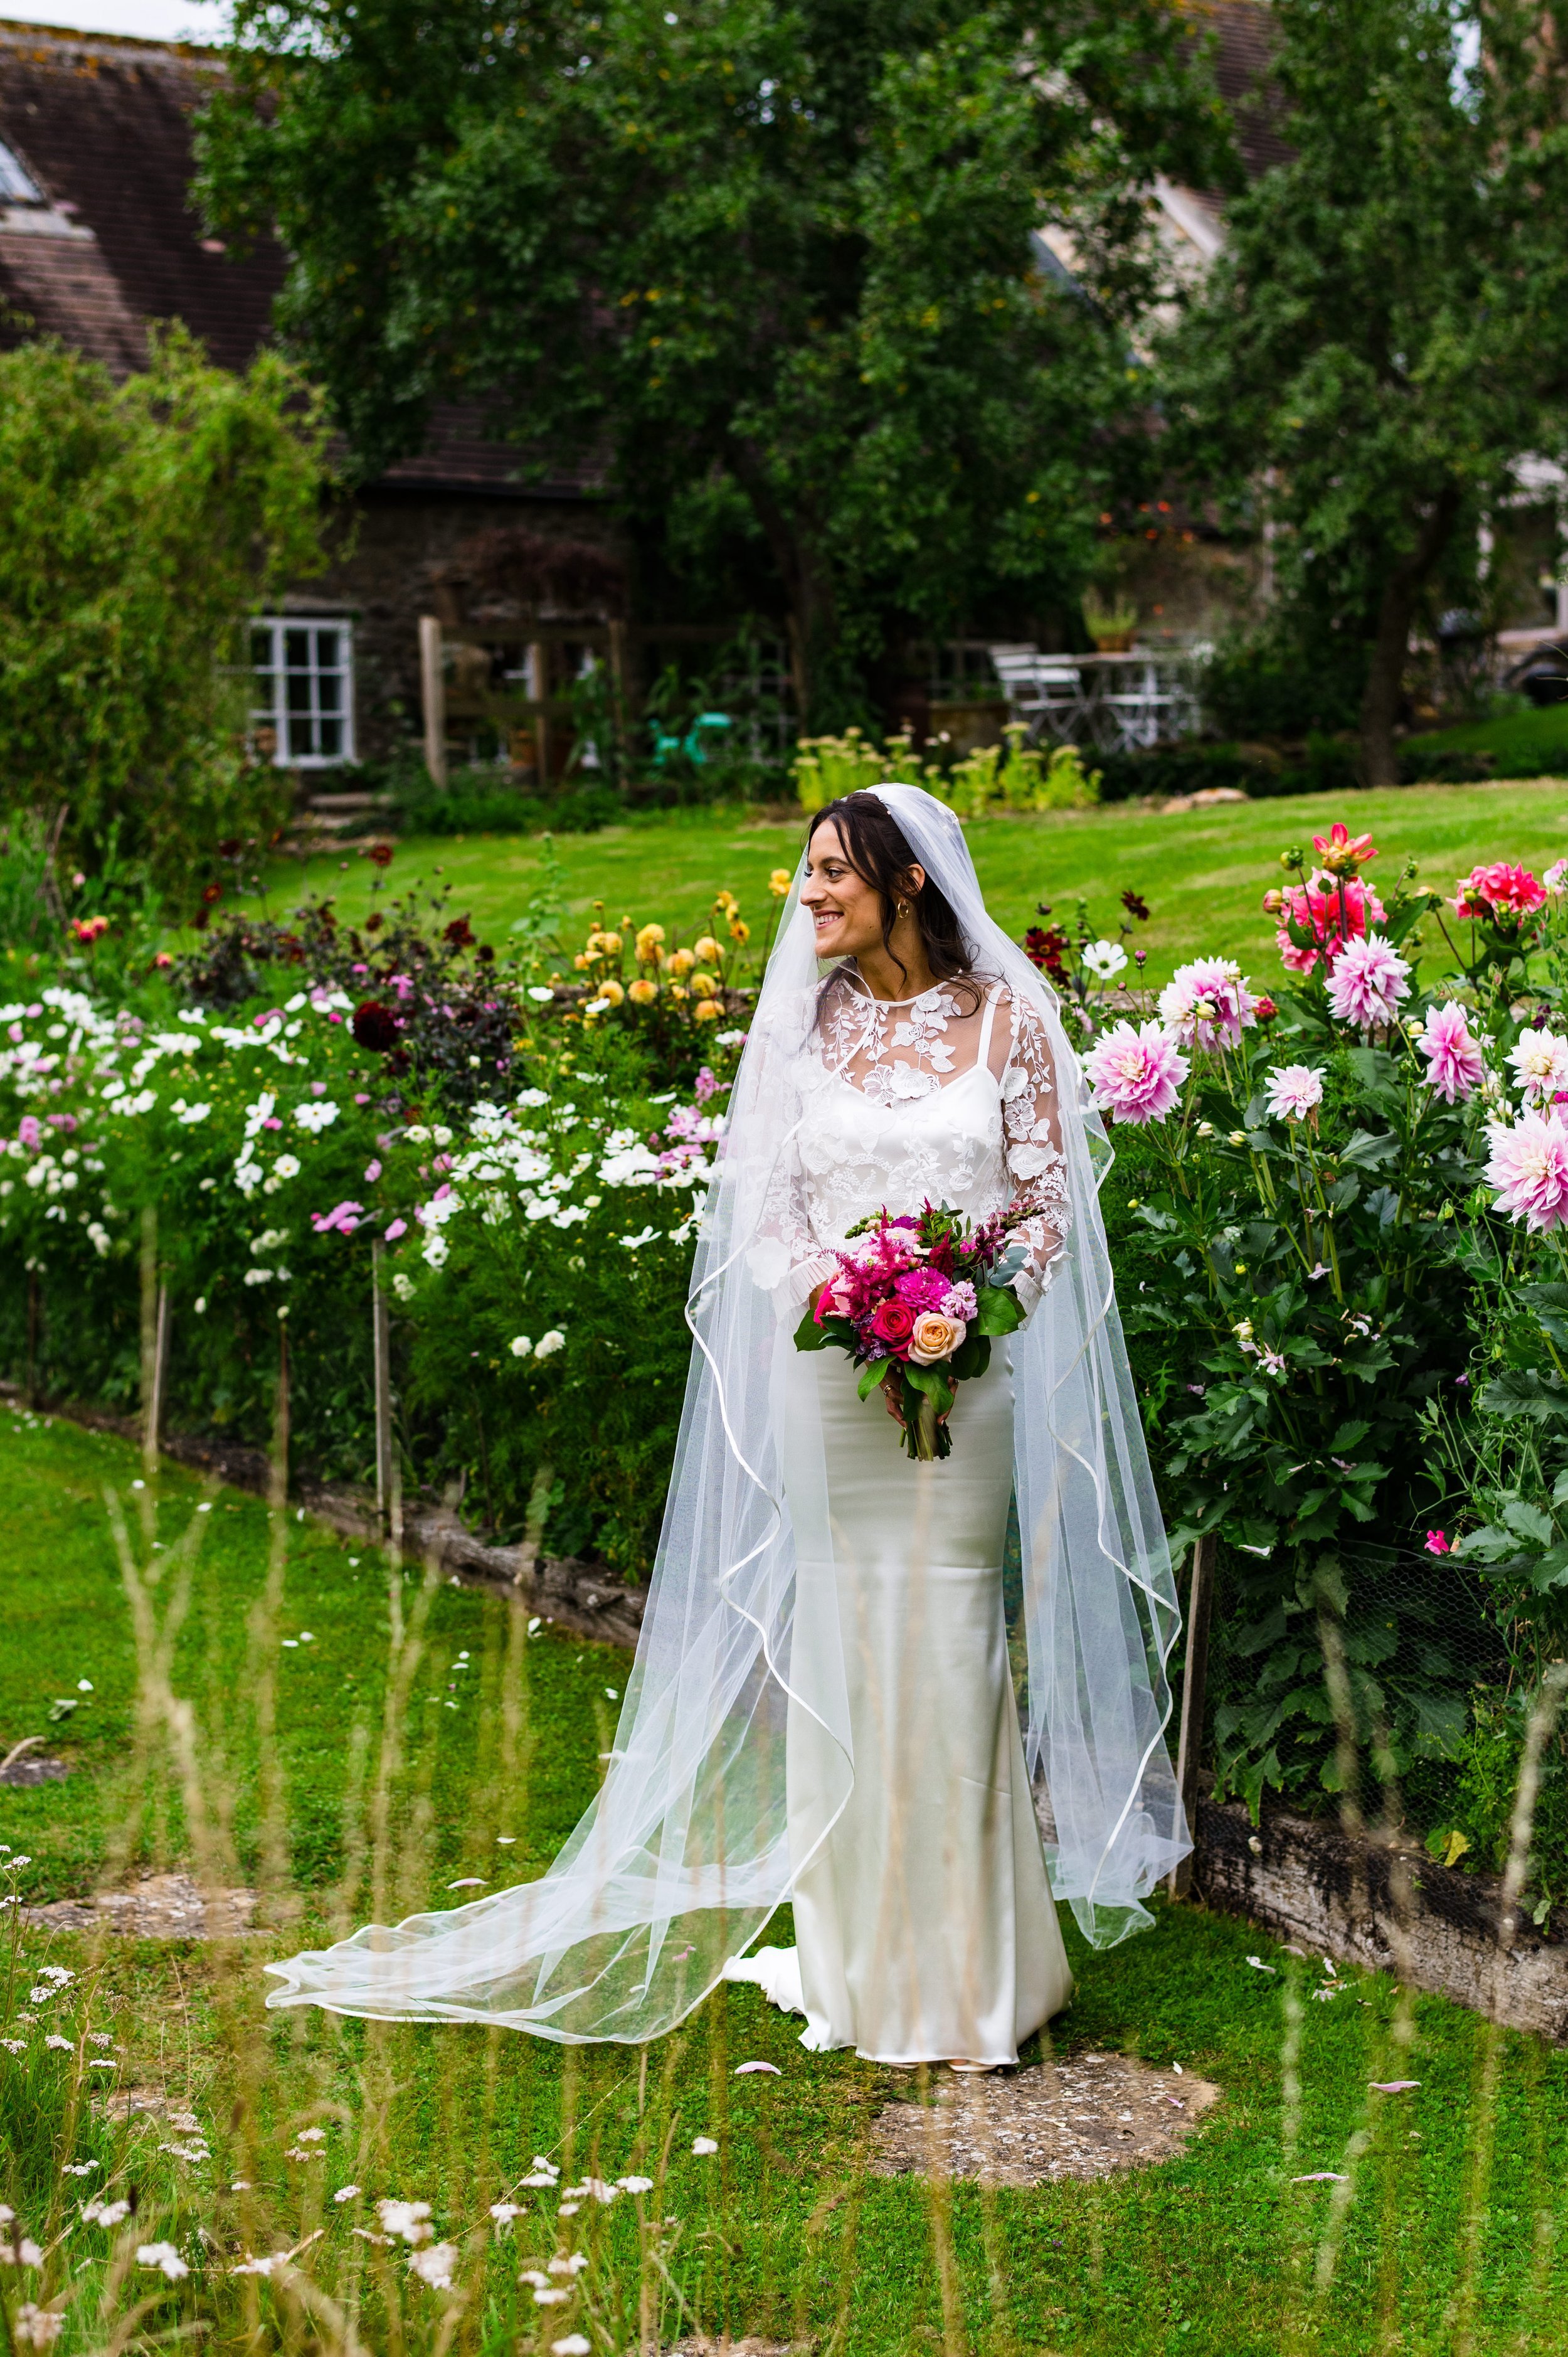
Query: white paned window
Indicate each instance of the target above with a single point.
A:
(303, 693)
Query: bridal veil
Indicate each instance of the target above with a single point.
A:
(686, 1851)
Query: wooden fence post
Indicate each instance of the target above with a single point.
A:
(1193, 1683)
(381, 1339)
(432, 695)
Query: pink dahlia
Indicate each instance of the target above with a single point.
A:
(1529, 1167)
(1453, 1053)
(1332, 910)
(1294, 1092)
(1368, 980)
(1506, 890)
(1540, 1060)
(1208, 1004)
(1137, 1073)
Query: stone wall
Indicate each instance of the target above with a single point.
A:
(1386, 1906)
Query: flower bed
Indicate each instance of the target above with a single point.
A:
(1338, 1213)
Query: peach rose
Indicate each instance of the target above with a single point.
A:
(935, 1337)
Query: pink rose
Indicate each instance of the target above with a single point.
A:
(935, 1337)
(893, 1322)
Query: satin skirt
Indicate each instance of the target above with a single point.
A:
(925, 1925)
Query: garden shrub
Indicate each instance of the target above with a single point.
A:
(139, 523)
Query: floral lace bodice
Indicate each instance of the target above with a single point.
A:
(947, 1098)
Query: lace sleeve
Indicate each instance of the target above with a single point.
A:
(786, 1261)
(1034, 1150)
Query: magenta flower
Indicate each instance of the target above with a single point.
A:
(28, 1132)
(1438, 1542)
(1367, 983)
(398, 1228)
(344, 1217)
(1452, 1052)
(1504, 890)
(1529, 1167)
(1208, 1004)
(1295, 1091)
(1331, 910)
(1137, 1073)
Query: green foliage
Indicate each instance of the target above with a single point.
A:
(138, 524)
(818, 313)
(1385, 333)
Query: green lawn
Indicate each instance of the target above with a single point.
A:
(1202, 872)
(1513, 736)
(1440, 2239)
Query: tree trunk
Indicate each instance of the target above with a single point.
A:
(807, 584)
(1391, 646)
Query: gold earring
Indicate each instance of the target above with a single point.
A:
(903, 908)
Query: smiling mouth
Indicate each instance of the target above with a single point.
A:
(823, 918)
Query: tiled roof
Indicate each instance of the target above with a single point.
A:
(1245, 36)
(101, 126)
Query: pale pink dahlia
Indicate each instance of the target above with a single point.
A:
(1541, 1062)
(1294, 1091)
(1452, 1053)
(1208, 1004)
(1136, 1074)
(1368, 982)
(1529, 1167)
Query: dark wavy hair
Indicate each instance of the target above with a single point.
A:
(878, 851)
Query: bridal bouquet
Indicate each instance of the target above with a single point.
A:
(915, 1306)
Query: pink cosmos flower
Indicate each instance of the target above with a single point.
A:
(398, 1228)
(1540, 1059)
(1438, 1542)
(1504, 890)
(1529, 1167)
(1367, 983)
(28, 1130)
(1452, 1053)
(1137, 1073)
(345, 1217)
(1208, 1004)
(1332, 911)
(1294, 1092)
(1555, 880)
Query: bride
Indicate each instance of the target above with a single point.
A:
(822, 1706)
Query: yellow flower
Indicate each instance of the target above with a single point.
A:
(582, 960)
(739, 931)
(642, 993)
(651, 933)
(726, 901)
(610, 944)
(678, 990)
(682, 960)
(707, 950)
(705, 985)
(706, 1010)
(779, 883)
(647, 949)
(611, 989)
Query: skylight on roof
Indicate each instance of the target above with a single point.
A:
(16, 186)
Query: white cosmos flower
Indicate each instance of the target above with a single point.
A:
(548, 1344)
(1105, 960)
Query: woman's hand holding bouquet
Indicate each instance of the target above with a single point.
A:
(917, 1305)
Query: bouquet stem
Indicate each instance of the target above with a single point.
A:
(922, 1431)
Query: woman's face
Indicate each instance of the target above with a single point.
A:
(846, 911)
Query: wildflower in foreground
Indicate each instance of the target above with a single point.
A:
(1369, 981)
(1136, 1073)
(1294, 1092)
(1439, 1543)
(435, 2265)
(1208, 1004)
(39, 2327)
(1529, 1167)
(1452, 1053)
(164, 2256)
(1104, 960)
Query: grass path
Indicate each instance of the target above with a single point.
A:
(1202, 872)
(783, 2230)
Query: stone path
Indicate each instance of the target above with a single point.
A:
(158, 1906)
(1085, 2118)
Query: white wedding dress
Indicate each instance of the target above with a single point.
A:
(924, 1921)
